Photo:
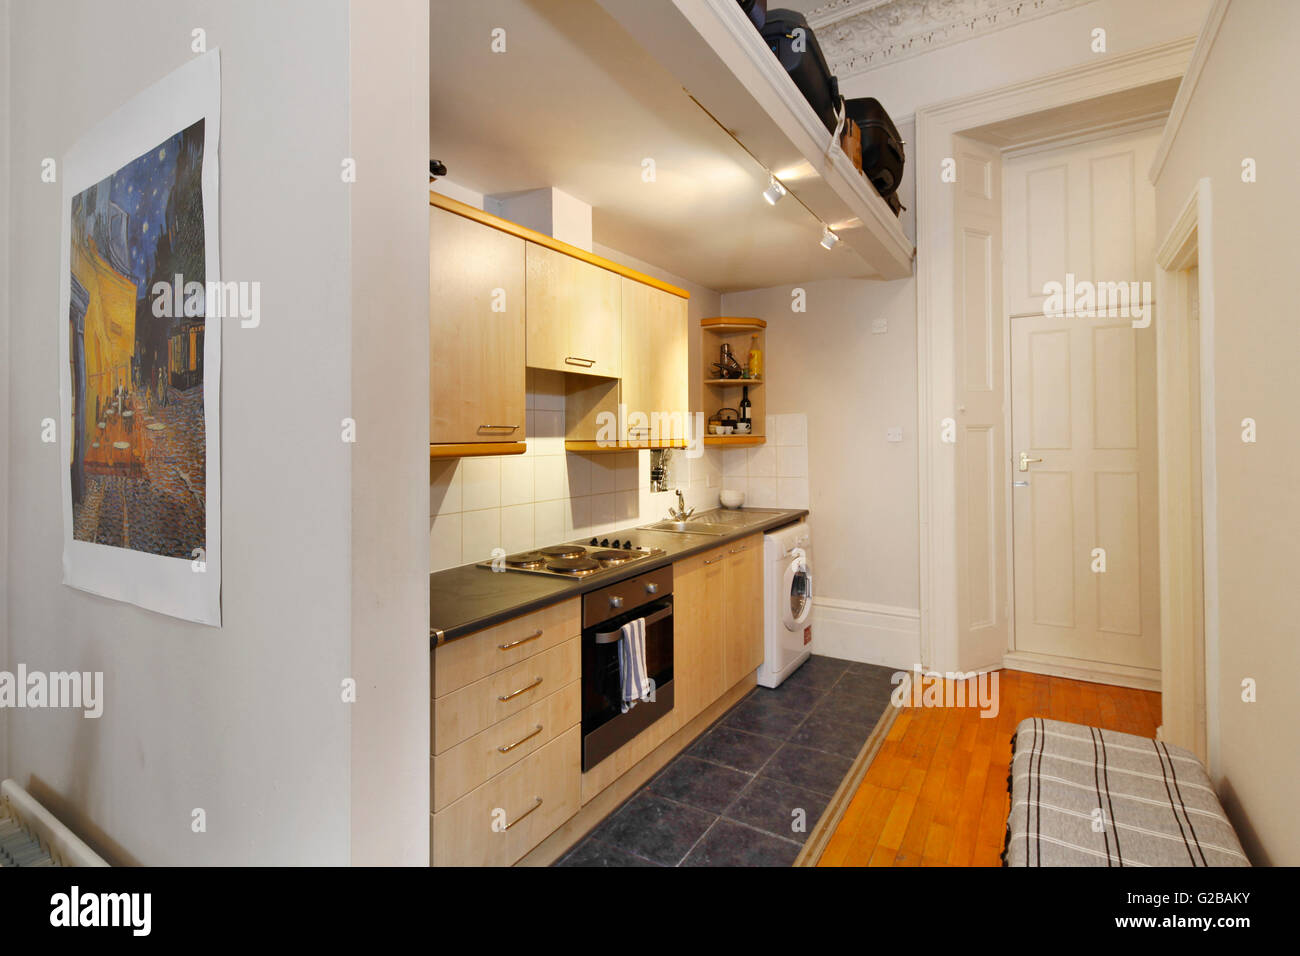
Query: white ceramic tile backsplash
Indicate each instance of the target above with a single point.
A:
(774, 474)
(548, 495)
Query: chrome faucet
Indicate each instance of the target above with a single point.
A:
(681, 512)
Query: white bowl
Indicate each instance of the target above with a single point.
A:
(731, 499)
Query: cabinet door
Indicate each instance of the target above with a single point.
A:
(743, 590)
(698, 653)
(655, 376)
(476, 331)
(573, 314)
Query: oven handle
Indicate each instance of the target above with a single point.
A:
(613, 637)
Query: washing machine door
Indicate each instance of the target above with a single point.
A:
(796, 592)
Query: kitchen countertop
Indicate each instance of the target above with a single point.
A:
(469, 598)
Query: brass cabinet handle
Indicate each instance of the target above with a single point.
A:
(493, 427)
(575, 360)
(509, 747)
(537, 802)
(522, 640)
(521, 690)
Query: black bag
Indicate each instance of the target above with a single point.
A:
(882, 149)
(807, 67)
(756, 10)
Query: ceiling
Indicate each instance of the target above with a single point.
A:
(577, 104)
(860, 35)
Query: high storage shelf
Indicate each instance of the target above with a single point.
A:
(738, 332)
(712, 49)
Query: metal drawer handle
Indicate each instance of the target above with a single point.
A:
(521, 690)
(509, 747)
(522, 640)
(487, 427)
(715, 560)
(575, 360)
(537, 803)
(738, 550)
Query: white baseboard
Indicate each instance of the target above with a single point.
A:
(868, 633)
(1143, 678)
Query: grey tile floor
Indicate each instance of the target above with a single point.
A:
(730, 798)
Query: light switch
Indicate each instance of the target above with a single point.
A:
(894, 434)
(879, 326)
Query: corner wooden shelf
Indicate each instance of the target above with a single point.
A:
(734, 440)
(737, 331)
(474, 449)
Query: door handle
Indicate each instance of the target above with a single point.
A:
(1025, 460)
(577, 360)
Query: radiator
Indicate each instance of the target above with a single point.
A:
(32, 836)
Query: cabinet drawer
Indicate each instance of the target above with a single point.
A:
(468, 659)
(477, 706)
(526, 803)
(469, 764)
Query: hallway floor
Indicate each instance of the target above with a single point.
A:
(936, 792)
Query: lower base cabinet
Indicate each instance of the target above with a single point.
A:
(507, 763)
(499, 822)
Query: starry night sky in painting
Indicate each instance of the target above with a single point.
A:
(141, 188)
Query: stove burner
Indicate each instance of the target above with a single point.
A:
(612, 558)
(526, 559)
(574, 566)
(562, 551)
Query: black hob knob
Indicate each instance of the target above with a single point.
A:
(594, 542)
(615, 544)
(604, 542)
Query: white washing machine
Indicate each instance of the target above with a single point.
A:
(787, 602)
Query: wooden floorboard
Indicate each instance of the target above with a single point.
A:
(936, 792)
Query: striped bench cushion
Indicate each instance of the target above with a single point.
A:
(1081, 796)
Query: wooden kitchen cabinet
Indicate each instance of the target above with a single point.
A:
(743, 597)
(654, 365)
(476, 332)
(699, 627)
(574, 322)
(718, 623)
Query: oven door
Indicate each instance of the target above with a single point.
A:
(605, 728)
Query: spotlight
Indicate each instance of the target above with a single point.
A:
(774, 192)
(829, 239)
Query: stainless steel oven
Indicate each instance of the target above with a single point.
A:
(605, 728)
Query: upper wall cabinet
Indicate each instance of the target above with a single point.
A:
(655, 375)
(573, 314)
(476, 332)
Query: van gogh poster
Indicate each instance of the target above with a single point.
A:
(140, 370)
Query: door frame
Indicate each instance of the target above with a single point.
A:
(938, 483)
(1186, 702)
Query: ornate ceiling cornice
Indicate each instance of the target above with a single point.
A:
(860, 35)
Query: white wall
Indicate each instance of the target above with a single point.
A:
(4, 371)
(244, 721)
(1242, 107)
(389, 101)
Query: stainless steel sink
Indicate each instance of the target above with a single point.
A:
(689, 526)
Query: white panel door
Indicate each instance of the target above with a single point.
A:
(981, 419)
(1083, 405)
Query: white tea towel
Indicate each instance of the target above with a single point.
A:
(635, 682)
